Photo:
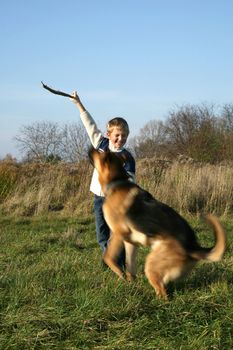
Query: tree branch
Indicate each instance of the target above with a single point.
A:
(57, 92)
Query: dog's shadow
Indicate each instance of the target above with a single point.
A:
(201, 278)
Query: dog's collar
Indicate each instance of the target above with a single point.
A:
(115, 183)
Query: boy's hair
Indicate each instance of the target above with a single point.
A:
(118, 122)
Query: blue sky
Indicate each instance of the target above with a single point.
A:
(129, 58)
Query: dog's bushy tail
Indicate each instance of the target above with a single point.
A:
(215, 253)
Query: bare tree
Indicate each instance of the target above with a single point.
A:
(181, 126)
(47, 141)
(39, 141)
(195, 131)
(226, 123)
(75, 142)
(227, 117)
(192, 130)
(149, 141)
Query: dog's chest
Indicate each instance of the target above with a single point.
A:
(137, 237)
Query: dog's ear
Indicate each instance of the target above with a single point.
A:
(101, 155)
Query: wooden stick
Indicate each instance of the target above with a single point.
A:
(57, 92)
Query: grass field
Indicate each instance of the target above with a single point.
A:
(55, 294)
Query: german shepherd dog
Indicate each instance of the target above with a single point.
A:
(136, 218)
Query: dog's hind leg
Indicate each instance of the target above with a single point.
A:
(155, 277)
(111, 254)
(131, 251)
(167, 262)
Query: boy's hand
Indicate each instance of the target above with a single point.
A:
(75, 98)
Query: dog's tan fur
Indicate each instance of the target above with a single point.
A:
(136, 218)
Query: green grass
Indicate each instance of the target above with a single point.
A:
(55, 294)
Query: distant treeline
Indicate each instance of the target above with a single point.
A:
(200, 132)
(203, 133)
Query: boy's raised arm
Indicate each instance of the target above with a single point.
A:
(78, 102)
(93, 132)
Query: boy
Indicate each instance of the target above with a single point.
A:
(117, 134)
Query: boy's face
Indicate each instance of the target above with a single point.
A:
(117, 137)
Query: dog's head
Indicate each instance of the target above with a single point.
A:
(108, 165)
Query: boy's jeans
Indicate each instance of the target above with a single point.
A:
(102, 229)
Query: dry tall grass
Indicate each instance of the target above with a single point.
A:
(35, 189)
(41, 188)
(191, 188)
